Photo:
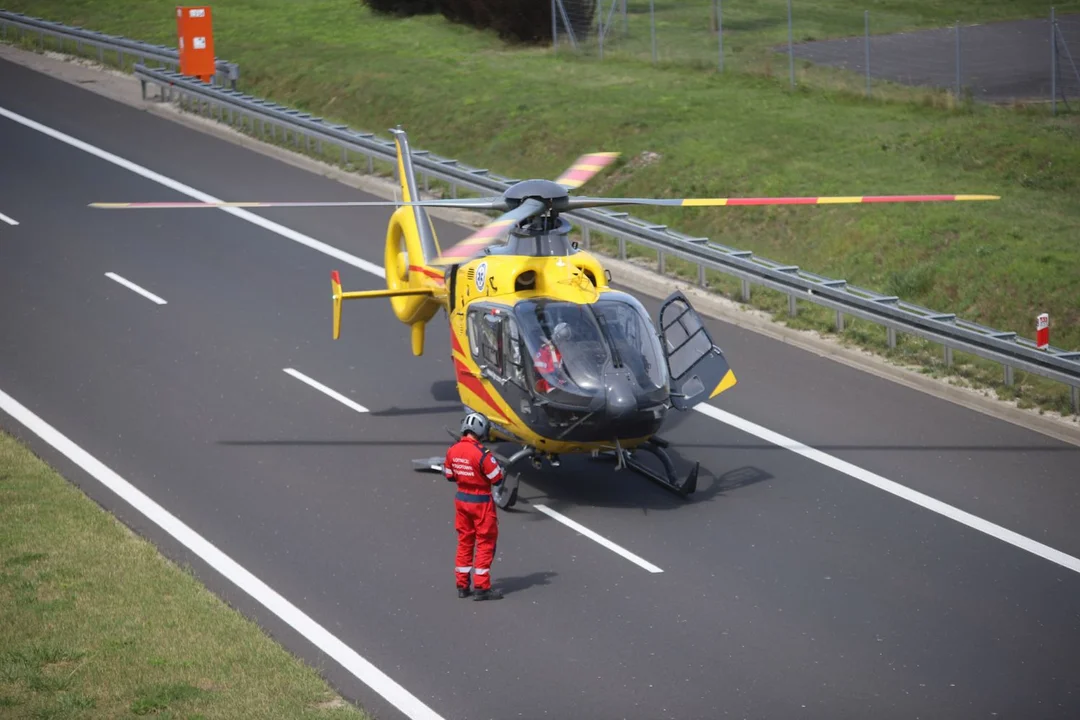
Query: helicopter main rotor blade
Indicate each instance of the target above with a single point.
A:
(577, 203)
(584, 168)
(487, 203)
(475, 244)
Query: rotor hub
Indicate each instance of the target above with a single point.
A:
(551, 193)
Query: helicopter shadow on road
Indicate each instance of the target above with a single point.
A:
(443, 392)
(581, 480)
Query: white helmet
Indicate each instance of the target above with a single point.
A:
(476, 424)
(561, 333)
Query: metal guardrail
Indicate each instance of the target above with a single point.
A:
(227, 72)
(896, 315)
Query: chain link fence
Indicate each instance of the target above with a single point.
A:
(1021, 61)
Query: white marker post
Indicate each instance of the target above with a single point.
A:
(1042, 331)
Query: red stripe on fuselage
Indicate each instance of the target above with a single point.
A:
(473, 383)
(426, 271)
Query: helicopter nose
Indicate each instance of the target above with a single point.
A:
(621, 397)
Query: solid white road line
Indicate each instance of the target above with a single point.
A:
(9, 221)
(195, 194)
(257, 589)
(895, 488)
(599, 538)
(322, 388)
(132, 286)
(816, 455)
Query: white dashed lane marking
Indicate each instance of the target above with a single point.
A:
(325, 390)
(132, 286)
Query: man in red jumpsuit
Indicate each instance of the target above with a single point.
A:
(476, 472)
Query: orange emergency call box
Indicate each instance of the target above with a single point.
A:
(196, 42)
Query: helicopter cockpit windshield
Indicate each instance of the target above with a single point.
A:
(572, 346)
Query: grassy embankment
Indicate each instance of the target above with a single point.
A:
(523, 112)
(94, 622)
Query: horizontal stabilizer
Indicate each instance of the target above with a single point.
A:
(432, 465)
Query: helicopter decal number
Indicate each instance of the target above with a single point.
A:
(481, 276)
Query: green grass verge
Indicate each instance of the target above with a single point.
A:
(95, 623)
(688, 131)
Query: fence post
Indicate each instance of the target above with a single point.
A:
(866, 21)
(600, 27)
(957, 62)
(790, 46)
(1053, 62)
(652, 27)
(720, 30)
(554, 29)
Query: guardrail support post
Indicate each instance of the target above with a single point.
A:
(948, 356)
(585, 239)
(891, 335)
(1075, 400)
(839, 321)
(622, 248)
(1008, 375)
(701, 276)
(745, 290)
(792, 307)
(660, 261)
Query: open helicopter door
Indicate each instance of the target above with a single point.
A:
(697, 367)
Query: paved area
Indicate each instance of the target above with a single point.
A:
(792, 585)
(998, 62)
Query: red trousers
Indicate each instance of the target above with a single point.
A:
(477, 528)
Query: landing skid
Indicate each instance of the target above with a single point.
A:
(624, 459)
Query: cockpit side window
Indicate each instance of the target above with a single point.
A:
(486, 339)
(515, 355)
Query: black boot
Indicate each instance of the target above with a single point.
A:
(463, 592)
(489, 594)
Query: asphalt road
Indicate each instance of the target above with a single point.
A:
(788, 588)
(998, 62)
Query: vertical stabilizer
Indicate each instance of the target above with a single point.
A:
(407, 179)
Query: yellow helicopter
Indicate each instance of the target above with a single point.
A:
(556, 359)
